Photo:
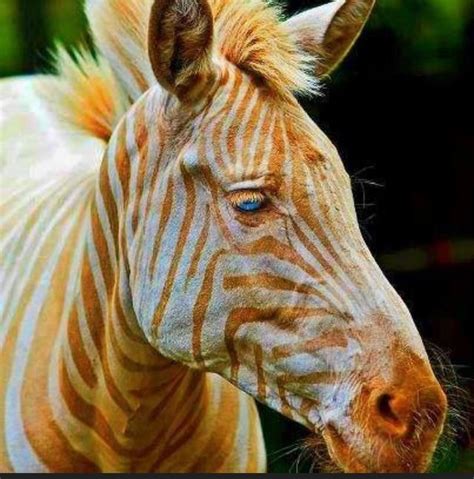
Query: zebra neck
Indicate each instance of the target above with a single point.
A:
(119, 388)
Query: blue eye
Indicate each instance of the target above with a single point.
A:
(249, 206)
(248, 201)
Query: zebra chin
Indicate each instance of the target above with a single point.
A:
(385, 457)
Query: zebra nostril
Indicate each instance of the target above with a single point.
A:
(402, 412)
(386, 411)
(392, 414)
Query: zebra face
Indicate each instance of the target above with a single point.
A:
(252, 266)
(247, 259)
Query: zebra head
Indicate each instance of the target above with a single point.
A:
(243, 246)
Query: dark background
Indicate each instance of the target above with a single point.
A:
(400, 110)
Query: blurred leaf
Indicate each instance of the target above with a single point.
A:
(10, 58)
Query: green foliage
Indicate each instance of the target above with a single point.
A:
(430, 34)
(66, 21)
(10, 54)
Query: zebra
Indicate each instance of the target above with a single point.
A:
(179, 239)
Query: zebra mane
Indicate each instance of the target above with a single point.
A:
(251, 35)
(84, 93)
(92, 91)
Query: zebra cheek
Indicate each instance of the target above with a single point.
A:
(235, 229)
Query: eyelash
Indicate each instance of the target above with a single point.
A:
(248, 201)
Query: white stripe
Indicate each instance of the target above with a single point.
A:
(106, 228)
(114, 179)
(256, 140)
(239, 139)
(231, 119)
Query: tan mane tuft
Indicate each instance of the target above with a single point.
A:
(85, 93)
(250, 35)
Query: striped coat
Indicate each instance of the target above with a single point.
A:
(178, 238)
(81, 388)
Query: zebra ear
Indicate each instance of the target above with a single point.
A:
(180, 45)
(328, 32)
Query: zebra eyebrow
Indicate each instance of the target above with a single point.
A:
(267, 181)
(253, 184)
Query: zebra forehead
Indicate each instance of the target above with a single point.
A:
(255, 127)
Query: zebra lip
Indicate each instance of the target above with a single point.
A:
(341, 453)
(346, 458)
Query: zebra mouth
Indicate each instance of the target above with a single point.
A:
(341, 453)
(388, 459)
